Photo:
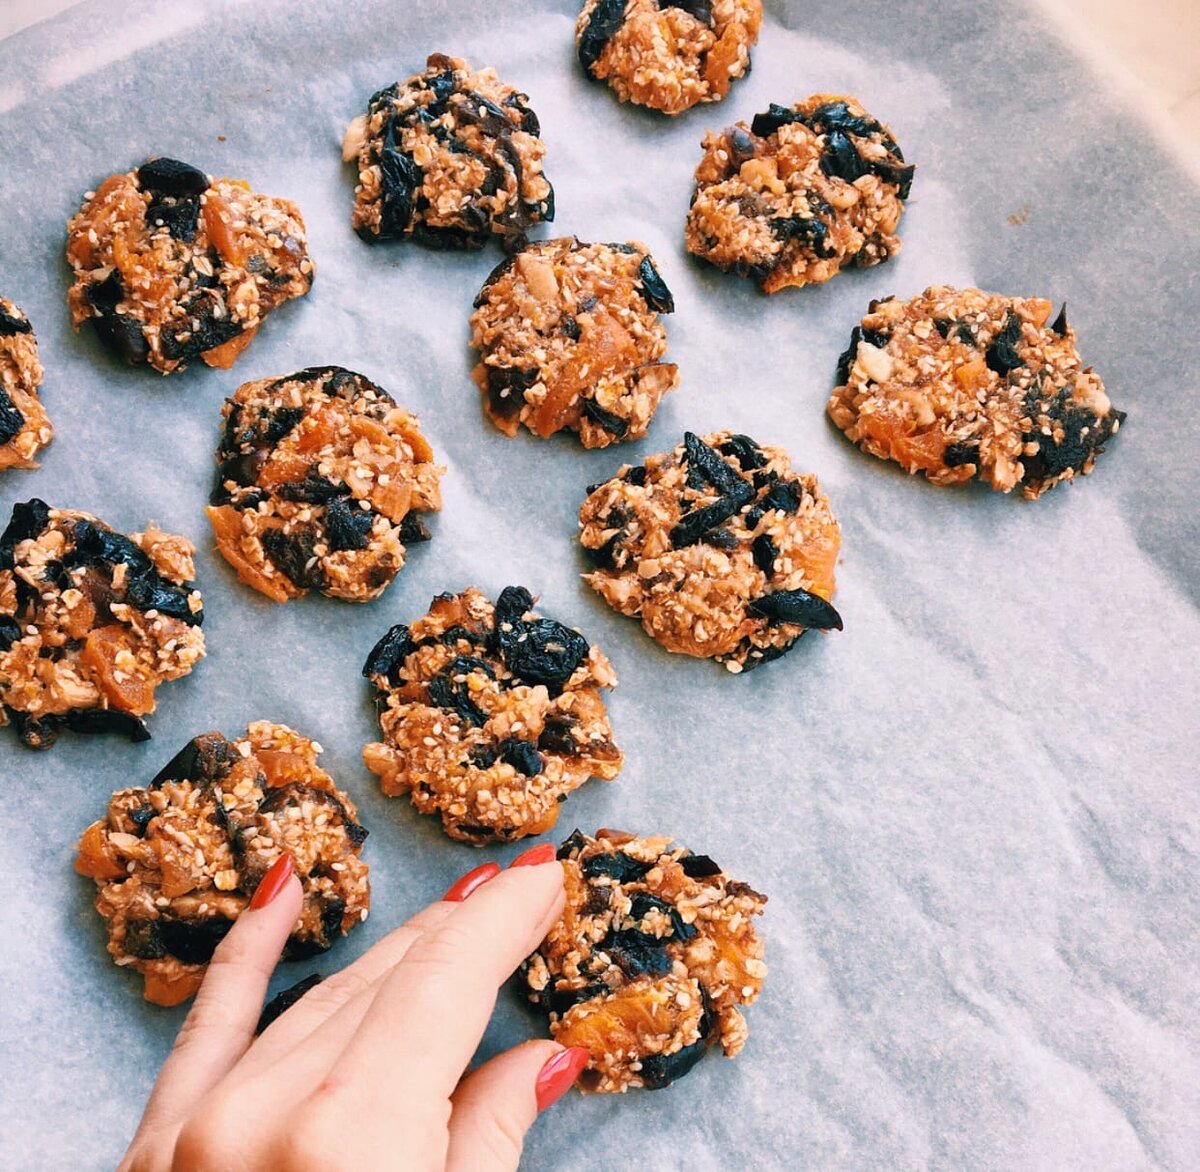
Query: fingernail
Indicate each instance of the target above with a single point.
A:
(535, 856)
(557, 1076)
(273, 882)
(470, 882)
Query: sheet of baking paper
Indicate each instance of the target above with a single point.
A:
(974, 811)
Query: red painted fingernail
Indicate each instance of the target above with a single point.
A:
(556, 1077)
(273, 882)
(535, 856)
(470, 882)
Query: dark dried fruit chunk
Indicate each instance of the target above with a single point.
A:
(1059, 325)
(764, 125)
(765, 552)
(522, 756)
(841, 159)
(543, 652)
(178, 216)
(745, 451)
(783, 495)
(284, 1000)
(193, 941)
(637, 954)
(799, 607)
(618, 866)
(506, 389)
(1002, 354)
(206, 758)
(106, 720)
(294, 556)
(607, 17)
(165, 176)
(388, 655)
(613, 424)
(660, 1070)
(413, 530)
(708, 464)
(10, 324)
(699, 866)
(11, 419)
(653, 288)
(961, 453)
(10, 632)
(348, 526)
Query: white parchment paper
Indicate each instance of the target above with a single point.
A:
(974, 811)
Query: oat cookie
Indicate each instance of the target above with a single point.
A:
(91, 622)
(718, 547)
(321, 483)
(177, 861)
(799, 194)
(655, 951)
(959, 384)
(449, 158)
(570, 337)
(25, 427)
(668, 56)
(490, 715)
(172, 265)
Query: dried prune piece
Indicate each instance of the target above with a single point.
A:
(956, 326)
(506, 389)
(35, 732)
(617, 865)
(1002, 355)
(482, 756)
(413, 530)
(637, 954)
(143, 940)
(278, 423)
(764, 125)
(574, 842)
(242, 470)
(900, 174)
(284, 1000)
(836, 116)
(11, 419)
(400, 179)
(660, 1070)
(522, 756)
(840, 158)
(348, 526)
(765, 552)
(700, 9)
(1059, 324)
(165, 176)
(187, 340)
(10, 632)
(556, 737)
(208, 757)
(513, 604)
(446, 692)
(783, 495)
(314, 489)
(799, 607)
(193, 941)
(10, 324)
(543, 652)
(847, 356)
(710, 465)
(810, 229)
(694, 526)
(178, 216)
(123, 335)
(642, 903)
(613, 424)
(142, 817)
(653, 288)
(745, 451)
(699, 866)
(388, 655)
(559, 1000)
(29, 518)
(607, 17)
(106, 720)
(961, 453)
(293, 555)
(1081, 434)
(148, 591)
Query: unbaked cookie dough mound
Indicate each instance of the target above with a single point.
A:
(91, 622)
(799, 194)
(449, 158)
(491, 715)
(25, 427)
(957, 384)
(654, 954)
(172, 265)
(321, 483)
(668, 56)
(570, 337)
(718, 547)
(176, 862)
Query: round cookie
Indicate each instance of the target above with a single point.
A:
(449, 158)
(490, 715)
(172, 265)
(718, 547)
(668, 56)
(799, 194)
(91, 622)
(957, 384)
(655, 951)
(570, 338)
(25, 427)
(321, 482)
(177, 862)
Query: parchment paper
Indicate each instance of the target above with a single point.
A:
(974, 811)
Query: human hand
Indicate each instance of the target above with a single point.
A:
(367, 1069)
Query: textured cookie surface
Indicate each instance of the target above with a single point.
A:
(24, 425)
(171, 265)
(450, 158)
(668, 56)
(321, 483)
(91, 622)
(570, 337)
(490, 714)
(799, 194)
(718, 547)
(176, 862)
(654, 954)
(957, 384)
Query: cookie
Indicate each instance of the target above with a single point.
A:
(959, 385)
(91, 622)
(321, 483)
(718, 547)
(176, 862)
(25, 427)
(655, 951)
(667, 56)
(799, 194)
(172, 265)
(491, 715)
(570, 337)
(449, 158)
